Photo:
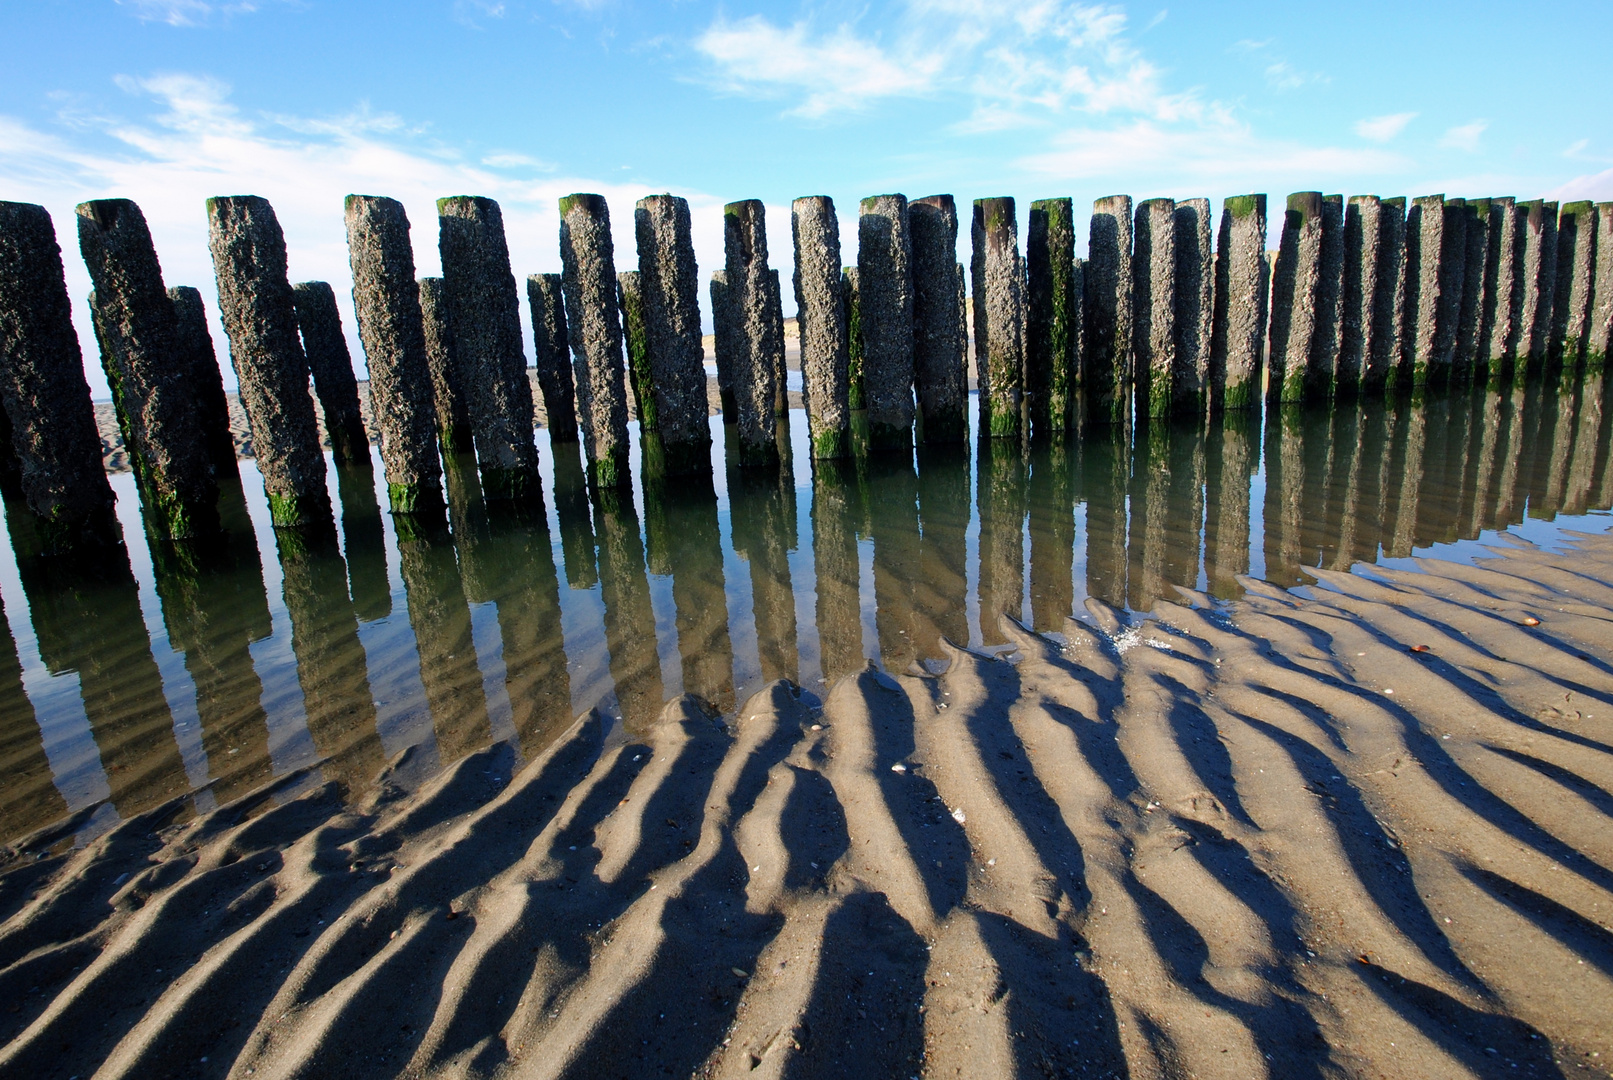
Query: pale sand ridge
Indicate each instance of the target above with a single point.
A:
(1213, 844)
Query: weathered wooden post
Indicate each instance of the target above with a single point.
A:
(42, 388)
(1478, 269)
(194, 354)
(1425, 239)
(1600, 333)
(1502, 292)
(386, 298)
(1107, 349)
(821, 319)
(1195, 307)
(449, 394)
(593, 324)
(1240, 304)
(670, 282)
(1153, 305)
(1325, 337)
(749, 293)
(724, 345)
(1576, 267)
(484, 311)
(1387, 370)
(260, 318)
(1052, 334)
(552, 355)
(940, 335)
(635, 343)
(1293, 297)
(325, 346)
(1362, 241)
(151, 386)
(1539, 285)
(773, 347)
(885, 278)
(998, 274)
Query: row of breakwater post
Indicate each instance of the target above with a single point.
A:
(1364, 296)
(1340, 486)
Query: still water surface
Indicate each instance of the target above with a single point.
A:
(210, 673)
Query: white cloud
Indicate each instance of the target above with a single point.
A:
(184, 12)
(1048, 55)
(1576, 148)
(837, 72)
(1157, 19)
(1383, 128)
(192, 143)
(1464, 136)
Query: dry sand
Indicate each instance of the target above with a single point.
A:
(1261, 839)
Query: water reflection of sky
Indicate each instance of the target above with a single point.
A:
(626, 609)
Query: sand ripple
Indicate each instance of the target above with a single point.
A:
(1258, 839)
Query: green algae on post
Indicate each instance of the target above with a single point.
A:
(1293, 297)
(885, 281)
(820, 305)
(940, 329)
(485, 314)
(1110, 311)
(1052, 328)
(594, 327)
(669, 283)
(1153, 300)
(258, 310)
(998, 276)
(1195, 307)
(1238, 331)
(138, 332)
(450, 396)
(386, 298)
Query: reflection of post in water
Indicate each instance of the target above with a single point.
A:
(365, 538)
(1320, 522)
(940, 595)
(1051, 498)
(1348, 448)
(517, 563)
(214, 606)
(762, 517)
(1366, 481)
(1230, 464)
(1511, 458)
(635, 664)
(1472, 405)
(331, 666)
(571, 507)
(86, 616)
(28, 795)
(836, 511)
(1150, 489)
(1105, 463)
(685, 542)
(440, 616)
(1285, 487)
(1564, 423)
(1185, 509)
(1002, 533)
(1535, 448)
(1405, 480)
(1438, 495)
(1589, 447)
(1488, 464)
(894, 523)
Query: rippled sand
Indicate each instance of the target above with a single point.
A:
(1263, 838)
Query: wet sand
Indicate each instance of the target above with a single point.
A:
(1259, 838)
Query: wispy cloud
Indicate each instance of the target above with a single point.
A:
(1464, 136)
(184, 12)
(1156, 20)
(1280, 74)
(1044, 55)
(1383, 128)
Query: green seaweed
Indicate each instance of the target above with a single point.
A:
(831, 443)
(1240, 206)
(611, 470)
(510, 485)
(637, 337)
(288, 511)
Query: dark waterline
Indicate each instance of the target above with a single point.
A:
(126, 684)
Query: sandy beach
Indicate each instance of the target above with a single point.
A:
(1359, 833)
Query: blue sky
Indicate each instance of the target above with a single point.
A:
(303, 101)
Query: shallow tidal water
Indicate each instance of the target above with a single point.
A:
(208, 673)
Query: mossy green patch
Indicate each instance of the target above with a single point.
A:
(638, 359)
(831, 444)
(290, 511)
(1240, 206)
(1239, 395)
(510, 485)
(413, 498)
